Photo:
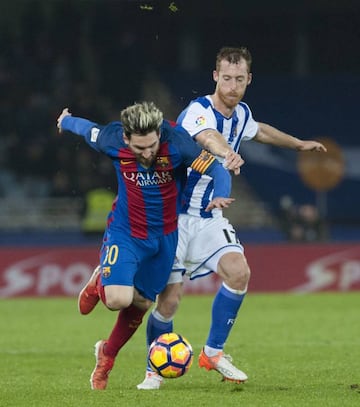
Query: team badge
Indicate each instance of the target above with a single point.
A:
(162, 161)
(200, 121)
(106, 271)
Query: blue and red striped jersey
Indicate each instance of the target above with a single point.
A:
(149, 199)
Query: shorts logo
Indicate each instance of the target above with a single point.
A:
(200, 121)
(106, 271)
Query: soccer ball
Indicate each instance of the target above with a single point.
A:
(170, 355)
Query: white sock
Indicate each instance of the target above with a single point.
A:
(239, 292)
(159, 317)
(209, 351)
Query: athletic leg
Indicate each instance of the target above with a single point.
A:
(235, 273)
(161, 321)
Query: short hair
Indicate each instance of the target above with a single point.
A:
(234, 55)
(141, 118)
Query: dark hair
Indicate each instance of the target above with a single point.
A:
(234, 56)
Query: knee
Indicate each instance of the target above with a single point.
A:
(116, 302)
(245, 272)
(240, 280)
(143, 303)
(169, 300)
(235, 272)
(168, 307)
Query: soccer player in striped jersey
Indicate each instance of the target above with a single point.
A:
(207, 241)
(150, 157)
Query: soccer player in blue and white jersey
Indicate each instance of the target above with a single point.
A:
(150, 157)
(207, 241)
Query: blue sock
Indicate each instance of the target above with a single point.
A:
(224, 311)
(156, 328)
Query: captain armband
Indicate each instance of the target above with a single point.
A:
(203, 162)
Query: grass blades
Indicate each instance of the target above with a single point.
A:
(298, 350)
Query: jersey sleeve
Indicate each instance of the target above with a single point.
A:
(196, 118)
(207, 164)
(202, 161)
(222, 181)
(251, 126)
(106, 139)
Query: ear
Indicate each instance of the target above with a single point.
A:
(250, 78)
(126, 139)
(215, 75)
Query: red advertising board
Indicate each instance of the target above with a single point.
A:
(63, 271)
(304, 268)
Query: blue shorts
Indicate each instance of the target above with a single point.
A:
(143, 264)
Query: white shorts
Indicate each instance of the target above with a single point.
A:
(202, 242)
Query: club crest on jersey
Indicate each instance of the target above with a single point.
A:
(200, 121)
(106, 271)
(162, 161)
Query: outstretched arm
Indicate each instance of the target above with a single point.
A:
(214, 142)
(79, 126)
(270, 135)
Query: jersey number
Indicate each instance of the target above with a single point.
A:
(230, 236)
(111, 255)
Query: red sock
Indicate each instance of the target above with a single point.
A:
(100, 290)
(129, 319)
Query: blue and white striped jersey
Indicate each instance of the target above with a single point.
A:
(201, 115)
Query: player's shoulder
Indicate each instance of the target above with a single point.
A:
(196, 108)
(243, 106)
(201, 102)
(111, 134)
(170, 129)
(113, 126)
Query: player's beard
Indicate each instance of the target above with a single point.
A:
(230, 100)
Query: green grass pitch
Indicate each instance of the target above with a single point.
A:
(298, 350)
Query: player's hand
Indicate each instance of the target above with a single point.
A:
(219, 203)
(310, 145)
(63, 114)
(233, 162)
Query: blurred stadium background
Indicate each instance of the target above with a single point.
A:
(96, 57)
